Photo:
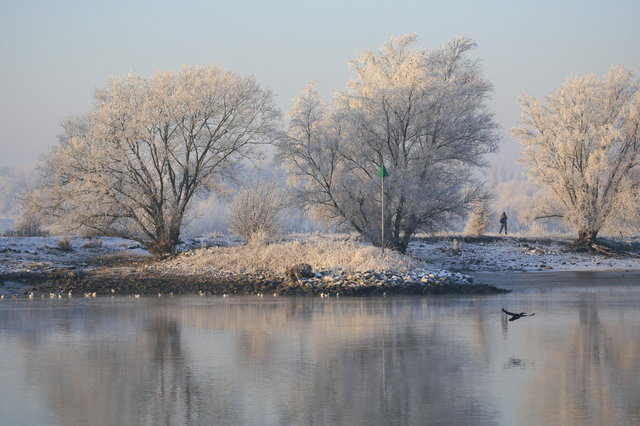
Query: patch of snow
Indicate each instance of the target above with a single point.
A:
(429, 258)
(37, 254)
(514, 254)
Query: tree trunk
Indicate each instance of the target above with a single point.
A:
(166, 243)
(402, 245)
(586, 238)
(164, 247)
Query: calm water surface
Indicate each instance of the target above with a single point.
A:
(350, 361)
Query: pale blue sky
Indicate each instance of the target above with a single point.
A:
(54, 54)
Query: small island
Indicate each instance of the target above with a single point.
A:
(323, 265)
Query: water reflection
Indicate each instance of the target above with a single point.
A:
(590, 373)
(86, 372)
(314, 361)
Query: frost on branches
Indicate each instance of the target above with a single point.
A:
(257, 211)
(582, 144)
(131, 167)
(480, 217)
(423, 114)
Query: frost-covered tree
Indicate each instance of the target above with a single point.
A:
(14, 181)
(257, 210)
(423, 114)
(582, 144)
(131, 166)
(480, 217)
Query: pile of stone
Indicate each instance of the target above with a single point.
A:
(301, 279)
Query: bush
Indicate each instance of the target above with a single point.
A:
(64, 244)
(256, 212)
(27, 226)
(456, 245)
(93, 243)
(480, 217)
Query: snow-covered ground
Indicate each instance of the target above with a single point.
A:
(41, 254)
(37, 254)
(493, 254)
(496, 254)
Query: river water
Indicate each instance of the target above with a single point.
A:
(350, 361)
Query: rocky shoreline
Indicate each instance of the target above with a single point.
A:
(138, 281)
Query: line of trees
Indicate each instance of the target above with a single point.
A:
(132, 165)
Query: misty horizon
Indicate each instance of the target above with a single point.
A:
(58, 55)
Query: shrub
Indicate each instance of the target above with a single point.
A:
(480, 217)
(456, 245)
(27, 226)
(64, 244)
(256, 212)
(93, 243)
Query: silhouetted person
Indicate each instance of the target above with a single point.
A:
(517, 316)
(503, 223)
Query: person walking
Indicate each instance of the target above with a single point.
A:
(503, 223)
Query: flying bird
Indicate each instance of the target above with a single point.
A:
(517, 316)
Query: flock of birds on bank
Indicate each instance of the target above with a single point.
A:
(31, 295)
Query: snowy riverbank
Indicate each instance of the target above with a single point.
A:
(339, 264)
(525, 254)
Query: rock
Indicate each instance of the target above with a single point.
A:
(299, 271)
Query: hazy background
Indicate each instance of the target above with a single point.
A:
(54, 54)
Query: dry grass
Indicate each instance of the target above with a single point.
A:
(335, 255)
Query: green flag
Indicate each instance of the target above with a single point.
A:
(382, 172)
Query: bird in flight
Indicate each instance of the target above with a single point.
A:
(517, 316)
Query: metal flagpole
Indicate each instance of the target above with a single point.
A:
(382, 216)
(382, 172)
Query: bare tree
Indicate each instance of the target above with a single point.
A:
(131, 167)
(583, 146)
(423, 115)
(257, 210)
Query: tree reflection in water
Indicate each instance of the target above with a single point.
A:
(313, 361)
(114, 370)
(591, 374)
